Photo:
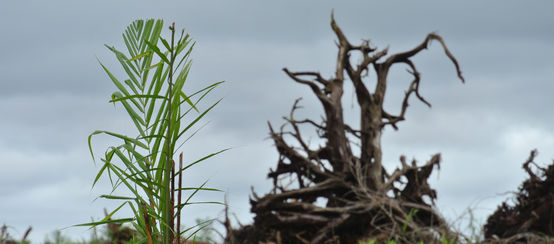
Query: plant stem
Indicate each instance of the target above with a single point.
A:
(179, 199)
(172, 212)
(167, 201)
(147, 223)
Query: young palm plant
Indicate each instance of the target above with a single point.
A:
(154, 99)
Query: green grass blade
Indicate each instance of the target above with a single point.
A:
(116, 81)
(209, 87)
(122, 98)
(129, 164)
(117, 197)
(122, 176)
(120, 136)
(186, 56)
(179, 87)
(139, 122)
(197, 119)
(99, 174)
(204, 202)
(200, 160)
(197, 188)
(108, 219)
(204, 92)
(94, 224)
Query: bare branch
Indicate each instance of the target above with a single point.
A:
(321, 234)
(318, 76)
(529, 160)
(414, 87)
(322, 97)
(344, 47)
(402, 57)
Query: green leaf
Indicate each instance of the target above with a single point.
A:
(179, 83)
(204, 202)
(129, 164)
(200, 160)
(157, 51)
(154, 90)
(210, 87)
(165, 44)
(182, 44)
(197, 188)
(99, 174)
(117, 83)
(117, 197)
(125, 63)
(130, 45)
(179, 207)
(142, 55)
(122, 176)
(145, 33)
(133, 86)
(94, 224)
(186, 56)
(108, 219)
(122, 98)
(120, 136)
(197, 119)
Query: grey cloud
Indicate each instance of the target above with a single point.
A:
(54, 93)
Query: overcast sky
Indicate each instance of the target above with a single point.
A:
(53, 94)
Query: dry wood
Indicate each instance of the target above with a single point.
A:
(362, 199)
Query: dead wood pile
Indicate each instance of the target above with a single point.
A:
(533, 211)
(341, 195)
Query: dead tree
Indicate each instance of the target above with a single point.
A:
(362, 198)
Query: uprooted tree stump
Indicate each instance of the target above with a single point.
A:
(362, 199)
(533, 212)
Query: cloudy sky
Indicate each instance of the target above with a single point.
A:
(53, 94)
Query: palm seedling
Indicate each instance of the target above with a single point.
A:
(154, 98)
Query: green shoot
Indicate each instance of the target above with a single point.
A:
(154, 98)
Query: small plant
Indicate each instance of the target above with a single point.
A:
(367, 242)
(409, 218)
(206, 232)
(154, 98)
(386, 242)
(57, 238)
(6, 238)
